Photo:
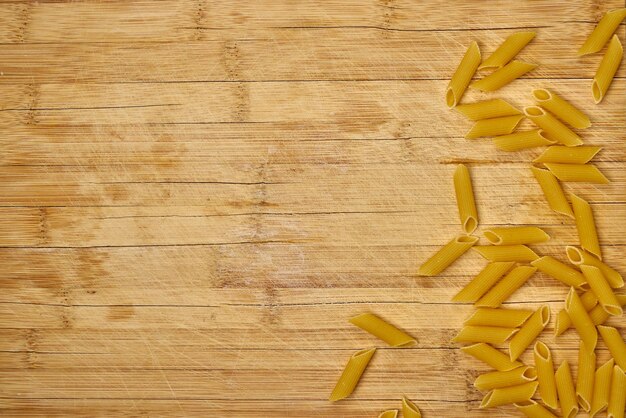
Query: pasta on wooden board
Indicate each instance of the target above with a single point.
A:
(545, 374)
(560, 271)
(506, 287)
(511, 46)
(599, 316)
(487, 109)
(561, 108)
(603, 31)
(578, 256)
(390, 413)
(491, 356)
(582, 173)
(494, 127)
(383, 330)
(465, 201)
(528, 332)
(601, 388)
(607, 69)
(552, 191)
(503, 76)
(463, 75)
(568, 155)
(586, 226)
(506, 252)
(580, 319)
(409, 409)
(601, 288)
(447, 255)
(615, 344)
(532, 409)
(617, 396)
(522, 140)
(494, 380)
(508, 395)
(566, 391)
(516, 235)
(586, 375)
(498, 317)
(483, 281)
(351, 374)
(482, 334)
(552, 127)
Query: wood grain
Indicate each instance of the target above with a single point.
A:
(195, 195)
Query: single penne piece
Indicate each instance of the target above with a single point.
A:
(603, 31)
(383, 330)
(491, 356)
(483, 281)
(563, 321)
(568, 155)
(516, 235)
(494, 127)
(503, 76)
(498, 317)
(607, 69)
(599, 316)
(561, 108)
(487, 109)
(580, 319)
(617, 397)
(586, 226)
(532, 409)
(511, 394)
(463, 75)
(511, 46)
(494, 380)
(582, 173)
(615, 344)
(409, 409)
(552, 127)
(560, 271)
(506, 287)
(586, 375)
(522, 140)
(552, 191)
(390, 413)
(351, 374)
(601, 388)
(480, 334)
(447, 255)
(465, 199)
(545, 374)
(598, 284)
(506, 252)
(528, 332)
(566, 391)
(578, 257)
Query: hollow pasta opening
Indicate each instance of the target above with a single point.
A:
(493, 237)
(362, 352)
(583, 402)
(544, 135)
(545, 315)
(572, 412)
(530, 373)
(410, 405)
(597, 93)
(486, 400)
(450, 99)
(542, 351)
(613, 310)
(542, 94)
(470, 224)
(533, 111)
(465, 239)
(574, 254)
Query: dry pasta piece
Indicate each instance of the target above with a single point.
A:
(607, 69)
(615, 343)
(512, 394)
(491, 356)
(599, 316)
(487, 109)
(480, 334)
(498, 317)
(351, 374)
(516, 235)
(409, 409)
(603, 31)
(586, 375)
(511, 46)
(532, 409)
(598, 284)
(494, 380)
(578, 256)
(494, 127)
(528, 332)
(522, 140)
(565, 389)
(580, 318)
(560, 271)
(545, 374)
(390, 413)
(483, 281)
(561, 108)
(617, 397)
(563, 321)
(585, 173)
(465, 199)
(601, 388)
(503, 76)
(552, 191)
(383, 330)
(586, 226)
(506, 287)
(463, 75)
(506, 252)
(447, 255)
(552, 127)
(568, 155)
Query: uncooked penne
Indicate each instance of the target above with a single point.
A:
(552, 127)
(483, 281)
(511, 46)
(601, 388)
(603, 31)
(586, 375)
(560, 271)
(447, 255)
(563, 321)
(351, 374)
(463, 75)
(545, 374)
(409, 409)
(586, 226)
(532, 409)
(383, 330)
(578, 257)
(522, 140)
(506, 287)
(465, 199)
(598, 284)
(511, 394)
(566, 391)
(498, 317)
(599, 316)
(494, 127)
(487, 109)
(580, 319)
(568, 155)
(615, 344)
(561, 108)
(390, 413)
(607, 69)
(506, 252)
(503, 76)
(583, 173)
(494, 380)
(480, 334)
(491, 356)
(528, 332)
(552, 191)
(516, 235)
(617, 397)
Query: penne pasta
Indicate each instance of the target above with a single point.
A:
(552, 191)
(598, 284)
(483, 281)
(585, 173)
(599, 316)
(586, 226)
(578, 256)
(503, 76)
(617, 396)
(494, 127)
(528, 332)
(494, 380)
(498, 317)
(561, 108)
(511, 46)
(522, 140)
(390, 413)
(383, 330)
(447, 255)
(516, 235)
(506, 252)
(480, 334)
(465, 199)
(586, 375)
(487, 109)
(563, 321)
(511, 394)
(560, 271)
(603, 31)
(491, 356)
(580, 319)
(565, 389)
(607, 69)
(568, 155)
(532, 409)
(552, 127)
(351, 374)
(601, 388)
(615, 344)
(545, 374)
(506, 287)
(409, 409)
(463, 75)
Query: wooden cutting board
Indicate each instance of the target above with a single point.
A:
(196, 195)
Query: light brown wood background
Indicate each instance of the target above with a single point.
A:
(195, 196)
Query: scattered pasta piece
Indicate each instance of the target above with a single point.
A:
(503, 76)
(552, 191)
(580, 319)
(465, 199)
(532, 409)
(506, 252)
(491, 356)
(586, 226)
(383, 330)
(463, 75)
(351, 374)
(528, 332)
(506, 287)
(566, 391)
(522, 140)
(409, 409)
(447, 255)
(603, 31)
(498, 317)
(511, 46)
(487, 109)
(494, 127)
(568, 155)
(516, 235)
(493, 380)
(607, 69)
(578, 256)
(560, 271)
(545, 374)
(601, 388)
(584, 173)
(598, 284)
(390, 413)
(615, 343)
(617, 397)
(561, 108)
(586, 374)
(563, 321)
(480, 334)
(553, 128)
(484, 281)
(511, 394)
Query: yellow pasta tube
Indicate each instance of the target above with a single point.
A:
(522, 140)
(480, 334)
(552, 191)
(465, 199)
(532, 409)
(598, 284)
(561, 108)
(491, 356)
(351, 374)
(617, 397)
(607, 69)
(463, 75)
(390, 413)
(506, 252)
(494, 127)
(552, 127)
(545, 374)
(483, 281)
(601, 388)
(503, 76)
(615, 343)
(487, 109)
(512, 394)
(516, 235)
(568, 155)
(578, 256)
(599, 316)
(586, 226)
(586, 375)
(494, 380)
(447, 255)
(565, 389)
(603, 31)
(563, 321)
(560, 271)
(383, 330)
(511, 46)
(528, 332)
(498, 317)
(580, 319)
(409, 409)
(506, 287)
(585, 173)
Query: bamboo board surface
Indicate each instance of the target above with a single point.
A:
(196, 195)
